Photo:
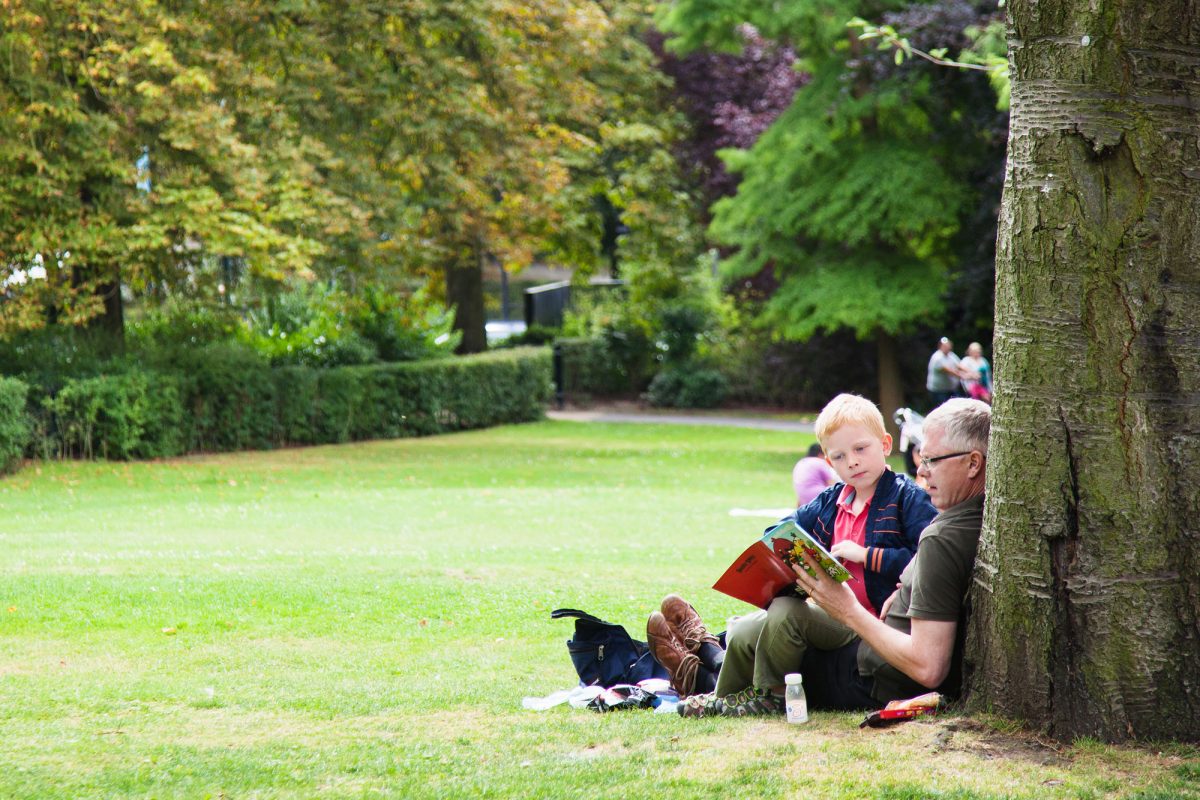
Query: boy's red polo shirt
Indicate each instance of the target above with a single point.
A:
(848, 526)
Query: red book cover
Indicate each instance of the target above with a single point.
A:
(764, 569)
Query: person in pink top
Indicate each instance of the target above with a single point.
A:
(812, 475)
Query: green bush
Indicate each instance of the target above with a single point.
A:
(534, 335)
(14, 422)
(688, 387)
(215, 398)
(682, 326)
(135, 414)
(50, 356)
(807, 374)
(229, 398)
(306, 324)
(315, 325)
(404, 327)
(180, 324)
(321, 405)
(614, 363)
(223, 397)
(299, 324)
(416, 398)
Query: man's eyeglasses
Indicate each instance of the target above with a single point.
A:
(929, 462)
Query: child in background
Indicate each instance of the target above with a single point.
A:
(811, 476)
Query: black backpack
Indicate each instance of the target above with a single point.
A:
(605, 654)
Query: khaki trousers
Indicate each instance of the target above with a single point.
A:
(762, 647)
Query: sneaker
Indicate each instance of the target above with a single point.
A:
(749, 702)
(667, 649)
(698, 705)
(687, 623)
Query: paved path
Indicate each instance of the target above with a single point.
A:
(601, 415)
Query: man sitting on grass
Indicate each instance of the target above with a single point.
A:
(853, 659)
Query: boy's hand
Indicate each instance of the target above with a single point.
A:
(887, 604)
(850, 551)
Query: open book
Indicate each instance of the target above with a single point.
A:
(764, 568)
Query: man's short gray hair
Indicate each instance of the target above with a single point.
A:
(965, 423)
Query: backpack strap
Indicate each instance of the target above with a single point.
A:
(564, 613)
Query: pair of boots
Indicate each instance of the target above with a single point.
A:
(676, 636)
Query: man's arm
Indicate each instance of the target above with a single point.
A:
(923, 655)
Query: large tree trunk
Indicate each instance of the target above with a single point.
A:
(1088, 581)
(464, 291)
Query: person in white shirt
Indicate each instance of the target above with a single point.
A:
(945, 375)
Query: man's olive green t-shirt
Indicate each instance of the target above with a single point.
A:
(932, 587)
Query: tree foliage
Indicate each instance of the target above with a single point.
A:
(854, 195)
(381, 140)
(729, 99)
(90, 90)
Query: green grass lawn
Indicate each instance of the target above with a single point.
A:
(363, 621)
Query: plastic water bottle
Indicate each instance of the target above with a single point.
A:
(794, 699)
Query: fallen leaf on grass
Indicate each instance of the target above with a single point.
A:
(169, 631)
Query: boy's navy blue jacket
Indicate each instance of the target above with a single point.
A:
(899, 511)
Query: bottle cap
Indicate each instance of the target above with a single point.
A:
(792, 678)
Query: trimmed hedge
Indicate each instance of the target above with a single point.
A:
(14, 424)
(222, 398)
(132, 415)
(387, 401)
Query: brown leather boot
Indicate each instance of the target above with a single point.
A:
(669, 651)
(687, 623)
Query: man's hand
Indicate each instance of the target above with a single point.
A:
(835, 597)
(850, 551)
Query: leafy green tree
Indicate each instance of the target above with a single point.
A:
(382, 143)
(472, 131)
(125, 158)
(853, 197)
(560, 119)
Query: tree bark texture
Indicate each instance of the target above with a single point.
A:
(1087, 588)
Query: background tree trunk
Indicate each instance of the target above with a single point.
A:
(891, 388)
(464, 291)
(107, 328)
(111, 323)
(1088, 581)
